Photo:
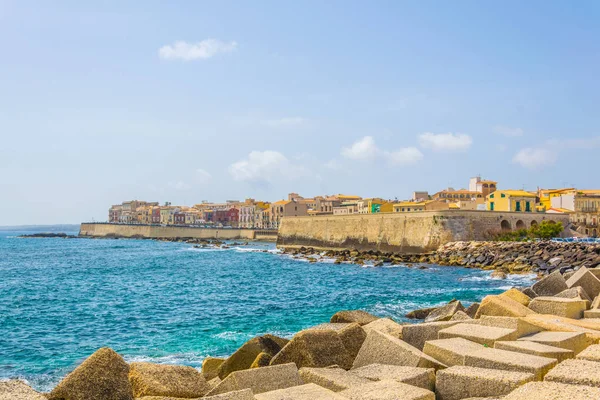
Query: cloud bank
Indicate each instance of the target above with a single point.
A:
(205, 49)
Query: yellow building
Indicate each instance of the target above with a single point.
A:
(413, 206)
(546, 196)
(511, 200)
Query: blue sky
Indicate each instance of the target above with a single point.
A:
(188, 101)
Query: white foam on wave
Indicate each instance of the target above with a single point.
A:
(232, 335)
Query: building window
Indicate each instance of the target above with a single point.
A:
(518, 206)
(502, 195)
(491, 196)
(527, 206)
(492, 206)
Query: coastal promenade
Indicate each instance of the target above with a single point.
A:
(107, 230)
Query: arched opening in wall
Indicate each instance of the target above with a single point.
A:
(520, 224)
(505, 225)
(594, 233)
(533, 223)
(587, 232)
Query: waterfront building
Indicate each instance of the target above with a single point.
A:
(547, 195)
(511, 200)
(414, 206)
(420, 196)
(483, 186)
(346, 208)
(286, 208)
(373, 205)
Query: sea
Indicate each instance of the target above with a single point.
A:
(173, 303)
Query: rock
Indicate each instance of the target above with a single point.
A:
(358, 316)
(562, 307)
(588, 281)
(335, 379)
(490, 358)
(415, 376)
(450, 351)
(576, 372)
(520, 326)
(315, 348)
(352, 335)
(384, 349)
(416, 335)
(461, 382)
(210, 367)
(502, 306)
(385, 325)
(444, 313)
(260, 380)
(310, 391)
(485, 335)
(550, 285)
(245, 394)
(553, 390)
(553, 323)
(261, 360)
(498, 275)
(387, 390)
(471, 311)
(529, 293)
(574, 341)
(534, 348)
(247, 353)
(420, 313)
(102, 376)
(149, 379)
(517, 296)
(592, 353)
(460, 316)
(576, 292)
(18, 390)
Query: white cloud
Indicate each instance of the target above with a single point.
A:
(507, 131)
(445, 142)
(404, 156)
(193, 51)
(284, 122)
(179, 185)
(535, 158)
(362, 149)
(333, 164)
(203, 176)
(265, 166)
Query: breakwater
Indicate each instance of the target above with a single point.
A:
(416, 232)
(166, 232)
(509, 257)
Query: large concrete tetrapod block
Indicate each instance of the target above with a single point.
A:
(415, 376)
(502, 306)
(486, 335)
(553, 391)
(460, 382)
(573, 341)
(315, 348)
(417, 334)
(331, 378)
(521, 327)
(560, 306)
(387, 390)
(587, 280)
(536, 349)
(18, 390)
(260, 380)
(550, 285)
(380, 348)
(351, 334)
(359, 316)
(245, 394)
(103, 372)
(510, 361)
(385, 325)
(576, 372)
(592, 353)
(309, 391)
(450, 351)
(149, 379)
(517, 296)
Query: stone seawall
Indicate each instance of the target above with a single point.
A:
(416, 232)
(156, 232)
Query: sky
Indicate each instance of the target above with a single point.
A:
(184, 101)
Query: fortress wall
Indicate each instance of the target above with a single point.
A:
(150, 231)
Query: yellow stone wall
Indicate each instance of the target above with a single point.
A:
(147, 231)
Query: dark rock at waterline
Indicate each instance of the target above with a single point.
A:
(60, 235)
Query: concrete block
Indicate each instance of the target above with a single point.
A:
(502, 306)
(351, 334)
(481, 334)
(260, 380)
(592, 353)
(387, 390)
(595, 303)
(521, 327)
(550, 285)
(415, 376)
(536, 349)
(517, 296)
(569, 308)
(509, 361)
(471, 311)
(380, 348)
(210, 367)
(553, 391)
(529, 293)
(450, 351)
(576, 372)
(149, 379)
(573, 341)
(576, 292)
(310, 391)
(594, 313)
(460, 316)
(385, 325)
(587, 280)
(591, 327)
(334, 379)
(444, 313)
(18, 390)
(417, 334)
(460, 382)
(245, 394)
(359, 316)
(243, 357)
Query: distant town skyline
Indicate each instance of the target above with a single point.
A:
(191, 101)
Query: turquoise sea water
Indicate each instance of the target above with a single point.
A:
(60, 300)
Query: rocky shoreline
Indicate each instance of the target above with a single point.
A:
(523, 344)
(543, 257)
